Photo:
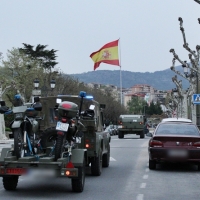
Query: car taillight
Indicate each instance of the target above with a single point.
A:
(155, 143)
(141, 122)
(196, 144)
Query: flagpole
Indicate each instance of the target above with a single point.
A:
(120, 70)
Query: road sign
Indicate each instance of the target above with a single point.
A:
(196, 98)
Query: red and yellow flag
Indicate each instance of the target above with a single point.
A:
(107, 54)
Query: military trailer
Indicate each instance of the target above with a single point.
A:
(131, 124)
(91, 135)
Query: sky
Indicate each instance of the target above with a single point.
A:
(147, 29)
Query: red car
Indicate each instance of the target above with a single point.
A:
(174, 141)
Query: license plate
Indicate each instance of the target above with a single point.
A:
(62, 126)
(119, 126)
(178, 153)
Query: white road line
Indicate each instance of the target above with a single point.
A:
(147, 170)
(140, 197)
(143, 185)
(112, 159)
(145, 176)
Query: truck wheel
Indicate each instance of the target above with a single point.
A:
(18, 142)
(58, 147)
(96, 165)
(10, 182)
(78, 183)
(106, 158)
(142, 135)
(152, 164)
(121, 134)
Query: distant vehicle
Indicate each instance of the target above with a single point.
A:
(116, 129)
(131, 124)
(174, 141)
(110, 129)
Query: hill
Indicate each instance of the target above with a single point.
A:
(161, 80)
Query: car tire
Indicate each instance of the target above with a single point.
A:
(96, 165)
(10, 182)
(152, 164)
(121, 134)
(106, 158)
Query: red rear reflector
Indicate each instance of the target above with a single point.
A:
(18, 171)
(155, 143)
(66, 105)
(64, 120)
(60, 133)
(87, 145)
(70, 165)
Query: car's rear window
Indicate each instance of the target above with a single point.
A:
(177, 129)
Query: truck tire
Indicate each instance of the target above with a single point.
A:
(58, 147)
(18, 142)
(96, 165)
(78, 183)
(142, 135)
(10, 182)
(152, 164)
(121, 134)
(106, 158)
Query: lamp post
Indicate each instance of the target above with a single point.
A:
(45, 89)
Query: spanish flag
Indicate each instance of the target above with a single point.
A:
(107, 54)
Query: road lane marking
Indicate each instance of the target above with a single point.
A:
(139, 197)
(145, 176)
(112, 159)
(143, 185)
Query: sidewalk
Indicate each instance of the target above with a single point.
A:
(9, 141)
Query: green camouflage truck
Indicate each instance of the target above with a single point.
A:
(131, 124)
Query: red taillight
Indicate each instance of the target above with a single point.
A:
(69, 165)
(196, 144)
(141, 122)
(64, 120)
(155, 143)
(60, 133)
(119, 122)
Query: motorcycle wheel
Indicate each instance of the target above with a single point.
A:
(18, 142)
(59, 147)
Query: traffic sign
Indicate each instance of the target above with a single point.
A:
(196, 98)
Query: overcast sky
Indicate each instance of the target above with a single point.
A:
(147, 29)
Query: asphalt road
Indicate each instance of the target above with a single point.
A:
(127, 178)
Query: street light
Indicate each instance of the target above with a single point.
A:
(53, 83)
(36, 83)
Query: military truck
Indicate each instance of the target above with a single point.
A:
(131, 124)
(91, 135)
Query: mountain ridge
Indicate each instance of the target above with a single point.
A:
(161, 80)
